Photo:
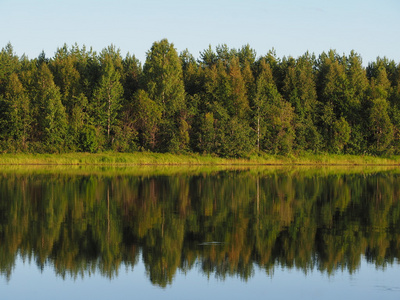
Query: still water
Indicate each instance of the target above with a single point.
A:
(195, 233)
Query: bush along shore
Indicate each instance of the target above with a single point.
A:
(226, 103)
(147, 158)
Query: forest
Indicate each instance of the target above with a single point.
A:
(228, 102)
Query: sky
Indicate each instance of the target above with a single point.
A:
(291, 27)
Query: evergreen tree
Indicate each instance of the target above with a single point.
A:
(207, 137)
(147, 118)
(132, 76)
(238, 99)
(8, 64)
(357, 93)
(50, 120)
(260, 102)
(193, 76)
(246, 55)
(208, 57)
(381, 127)
(55, 121)
(336, 131)
(273, 115)
(79, 126)
(300, 91)
(15, 115)
(335, 89)
(66, 77)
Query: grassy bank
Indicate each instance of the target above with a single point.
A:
(144, 158)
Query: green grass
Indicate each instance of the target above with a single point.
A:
(147, 158)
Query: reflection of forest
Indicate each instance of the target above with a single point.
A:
(228, 222)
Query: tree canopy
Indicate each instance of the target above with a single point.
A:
(228, 102)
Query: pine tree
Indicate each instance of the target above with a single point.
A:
(238, 98)
(380, 125)
(8, 64)
(48, 112)
(66, 77)
(274, 116)
(132, 76)
(15, 118)
(300, 91)
(55, 120)
(147, 119)
(357, 95)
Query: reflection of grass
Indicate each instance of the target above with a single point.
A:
(146, 158)
(193, 170)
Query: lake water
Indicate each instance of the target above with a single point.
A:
(196, 233)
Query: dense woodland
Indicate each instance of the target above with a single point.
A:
(228, 102)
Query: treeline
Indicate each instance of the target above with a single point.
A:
(228, 102)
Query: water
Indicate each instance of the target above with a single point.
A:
(199, 233)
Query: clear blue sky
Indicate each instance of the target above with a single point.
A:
(291, 27)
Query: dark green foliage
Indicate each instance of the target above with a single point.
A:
(228, 102)
(49, 112)
(87, 141)
(381, 126)
(15, 123)
(148, 118)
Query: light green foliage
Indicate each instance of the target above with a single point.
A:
(164, 84)
(380, 84)
(107, 100)
(87, 139)
(163, 78)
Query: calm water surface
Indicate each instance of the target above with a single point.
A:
(195, 233)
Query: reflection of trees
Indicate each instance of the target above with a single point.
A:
(226, 222)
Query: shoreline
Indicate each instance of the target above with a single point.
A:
(168, 159)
